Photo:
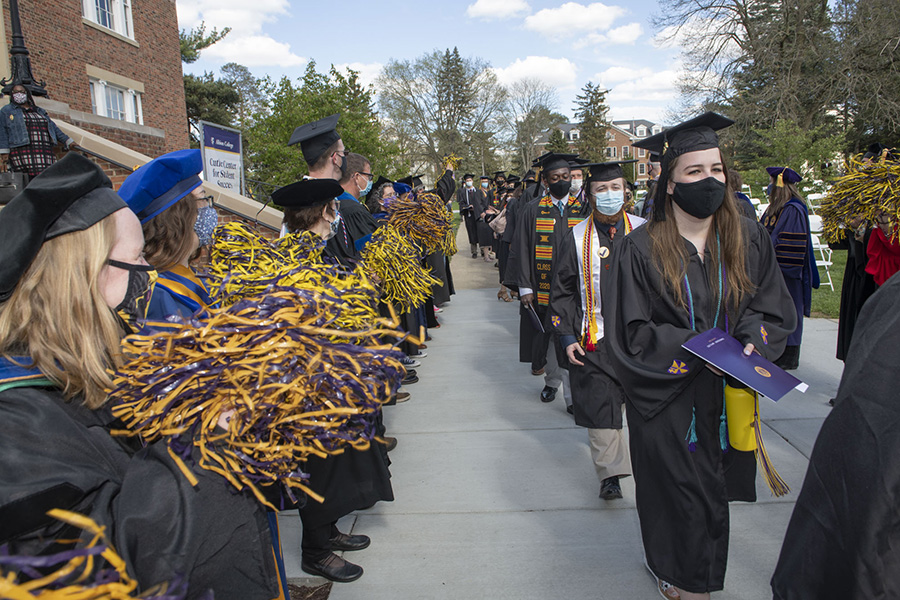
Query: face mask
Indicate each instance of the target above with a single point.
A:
(335, 225)
(576, 186)
(366, 189)
(141, 279)
(207, 219)
(769, 189)
(388, 200)
(609, 202)
(470, 184)
(484, 184)
(700, 199)
(561, 188)
(20, 97)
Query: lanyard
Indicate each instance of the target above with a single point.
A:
(719, 295)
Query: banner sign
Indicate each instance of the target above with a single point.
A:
(223, 160)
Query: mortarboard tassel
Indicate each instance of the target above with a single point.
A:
(776, 484)
(779, 181)
(691, 437)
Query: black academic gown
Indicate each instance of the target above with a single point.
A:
(485, 234)
(465, 198)
(58, 454)
(681, 496)
(843, 540)
(855, 290)
(597, 396)
(521, 271)
(436, 262)
(357, 219)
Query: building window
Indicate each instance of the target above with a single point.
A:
(108, 100)
(624, 151)
(641, 131)
(641, 153)
(112, 14)
(610, 136)
(573, 135)
(610, 152)
(642, 168)
(656, 129)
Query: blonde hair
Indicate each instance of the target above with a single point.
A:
(58, 317)
(670, 256)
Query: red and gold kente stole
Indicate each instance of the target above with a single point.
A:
(544, 226)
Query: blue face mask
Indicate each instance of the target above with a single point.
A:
(769, 189)
(367, 189)
(207, 219)
(336, 224)
(609, 202)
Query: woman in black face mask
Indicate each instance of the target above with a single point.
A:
(696, 265)
(27, 134)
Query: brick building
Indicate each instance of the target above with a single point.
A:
(111, 67)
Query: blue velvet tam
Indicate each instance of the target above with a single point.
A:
(402, 188)
(162, 182)
(784, 175)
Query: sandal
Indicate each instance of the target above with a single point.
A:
(504, 295)
(667, 590)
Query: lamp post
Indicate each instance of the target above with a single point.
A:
(19, 62)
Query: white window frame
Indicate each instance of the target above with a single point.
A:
(656, 129)
(641, 131)
(131, 100)
(611, 152)
(120, 13)
(642, 152)
(624, 151)
(642, 168)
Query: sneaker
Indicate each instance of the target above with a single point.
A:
(401, 397)
(438, 310)
(410, 363)
(418, 354)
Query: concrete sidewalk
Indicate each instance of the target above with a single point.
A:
(496, 496)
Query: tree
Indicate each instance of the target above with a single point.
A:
(247, 87)
(196, 40)
(810, 152)
(557, 142)
(591, 111)
(530, 110)
(208, 100)
(441, 103)
(314, 96)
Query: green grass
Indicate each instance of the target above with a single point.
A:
(826, 303)
(456, 220)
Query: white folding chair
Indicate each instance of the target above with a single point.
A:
(761, 210)
(815, 224)
(825, 255)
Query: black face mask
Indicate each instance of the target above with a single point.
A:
(560, 189)
(141, 279)
(700, 199)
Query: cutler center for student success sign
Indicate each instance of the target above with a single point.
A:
(223, 160)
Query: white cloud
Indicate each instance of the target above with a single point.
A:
(368, 72)
(254, 51)
(246, 44)
(658, 86)
(490, 10)
(624, 35)
(558, 72)
(615, 75)
(572, 20)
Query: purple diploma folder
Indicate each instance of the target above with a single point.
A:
(727, 354)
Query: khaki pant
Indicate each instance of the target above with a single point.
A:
(609, 451)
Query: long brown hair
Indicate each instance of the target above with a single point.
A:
(671, 257)
(169, 236)
(58, 317)
(780, 197)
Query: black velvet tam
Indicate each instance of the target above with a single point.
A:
(71, 195)
(607, 171)
(309, 192)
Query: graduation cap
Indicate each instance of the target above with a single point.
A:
(413, 181)
(316, 137)
(784, 174)
(695, 134)
(468, 176)
(513, 179)
(878, 150)
(70, 195)
(529, 175)
(552, 160)
(488, 177)
(307, 193)
(499, 174)
(607, 171)
(162, 182)
(654, 157)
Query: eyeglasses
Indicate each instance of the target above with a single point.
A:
(343, 152)
(208, 199)
(366, 175)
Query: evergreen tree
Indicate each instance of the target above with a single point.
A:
(557, 142)
(592, 113)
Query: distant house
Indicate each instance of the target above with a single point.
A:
(620, 138)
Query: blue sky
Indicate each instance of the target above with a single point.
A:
(565, 44)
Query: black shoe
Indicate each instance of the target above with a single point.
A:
(831, 401)
(570, 409)
(548, 394)
(474, 255)
(345, 542)
(409, 379)
(609, 488)
(391, 442)
(333, 568)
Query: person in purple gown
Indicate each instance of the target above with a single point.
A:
(787, 221)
